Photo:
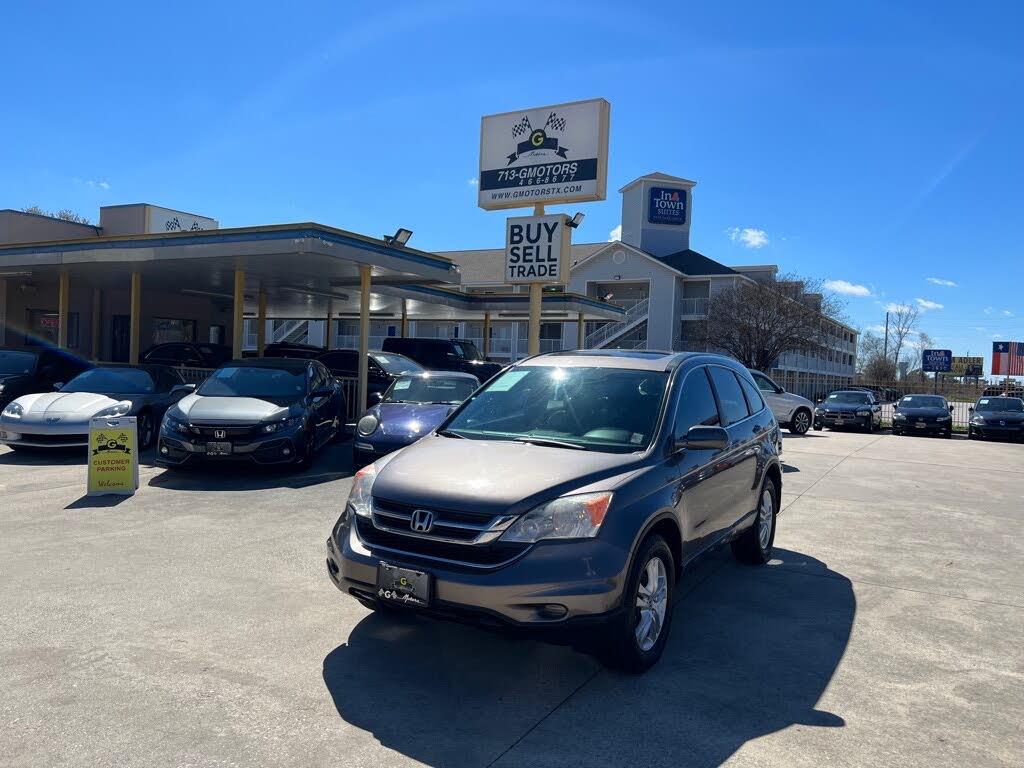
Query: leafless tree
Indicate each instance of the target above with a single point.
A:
(64, 213)
(872, 363)
(903, 320)
(757, 322)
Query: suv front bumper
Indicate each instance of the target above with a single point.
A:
(550, 584)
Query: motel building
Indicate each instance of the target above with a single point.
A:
(665, 288)
(146, 275)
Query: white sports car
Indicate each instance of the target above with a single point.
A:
(61, 419)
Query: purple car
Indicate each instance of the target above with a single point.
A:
(410, 408)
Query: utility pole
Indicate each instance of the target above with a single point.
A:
(885, 348)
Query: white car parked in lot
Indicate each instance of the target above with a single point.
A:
(791, 411)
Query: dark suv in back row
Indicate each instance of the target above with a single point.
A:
(444, 355)
(569, 491)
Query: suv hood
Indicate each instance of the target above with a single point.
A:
(228, 410)
(494, 476)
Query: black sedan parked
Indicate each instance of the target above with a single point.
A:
(849, 408)
(264, 411)
(26, 370)
(188, 354)
(997, 417)
(923, 415)
(382, 368)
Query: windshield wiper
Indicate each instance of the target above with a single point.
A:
(449, 433)
(551, 443)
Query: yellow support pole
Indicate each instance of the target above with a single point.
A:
(533, 342)
(579, 331)
(487, 334)
(135, 319)
(261, 324)
(62, 310)
(364, 337)
(405, 320)
(328, 336)
(94, 335)
(237, 310)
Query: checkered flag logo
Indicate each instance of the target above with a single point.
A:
(523, 126)
(555, 123)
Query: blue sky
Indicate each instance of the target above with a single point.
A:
(875, 143)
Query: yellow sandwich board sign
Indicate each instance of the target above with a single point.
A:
(113, 459)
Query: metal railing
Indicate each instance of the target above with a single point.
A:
(286, 329)
(694, 307)
(350, 341)
(634, 316)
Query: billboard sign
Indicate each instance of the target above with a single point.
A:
(968, 366)
(536, 249)
(937, 360)
(666, 206)
(165, 220)
(553, 154)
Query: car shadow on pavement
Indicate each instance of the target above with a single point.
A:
(752, 651)
(333, 462)
(43, 457)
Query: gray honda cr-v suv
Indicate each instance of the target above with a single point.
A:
(570, 490)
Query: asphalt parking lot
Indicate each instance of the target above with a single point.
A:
(194, 625)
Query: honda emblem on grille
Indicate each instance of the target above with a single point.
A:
(220, 434)
(1002, 423)
(422, 520)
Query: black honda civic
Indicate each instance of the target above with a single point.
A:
(997, 417)
(923, 415)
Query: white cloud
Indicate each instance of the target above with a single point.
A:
(940, 281)
(1006, 313)
(472, 182)
(98, 184)
(615, 235)
(892, 306)
(850, 289)
(925, 304)
(989, 310)
(876, 328)
(749, 237)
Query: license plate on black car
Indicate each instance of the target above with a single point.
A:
(218, 449)
(402, 585)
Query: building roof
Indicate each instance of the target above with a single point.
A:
(689, 262)
(656, 176)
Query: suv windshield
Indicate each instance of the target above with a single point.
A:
(16, 362)
(1000, 404)
(255, 382)
(604, 409)
(849, 398)
(429, 389)
(396, 364)
(128, 381)
(922, 401)
(467, 350)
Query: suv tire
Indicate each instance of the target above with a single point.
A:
(621, 646)
(754, 546)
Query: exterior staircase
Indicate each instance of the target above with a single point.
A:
(606, 336)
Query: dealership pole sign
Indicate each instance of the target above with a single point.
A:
(937, 360)
(968, 366)
(545, 155)
(536, 249)
(113, 457)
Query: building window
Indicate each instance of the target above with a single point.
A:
(170, 329)
(43, 325)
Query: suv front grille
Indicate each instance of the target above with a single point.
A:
(418, 547)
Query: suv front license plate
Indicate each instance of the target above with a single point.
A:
(218, 449)
(404, 586)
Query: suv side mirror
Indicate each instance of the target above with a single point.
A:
(951, 409)
(702, 438)
(186, 388)
(375, 397)
(969, 408)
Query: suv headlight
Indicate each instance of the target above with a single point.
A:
(175, 425)
(359, 497)
(974, 419)
(277, 426)
(863, 413)
(117, 409)
(367, 425)
(14, 409)
(568, 517)
(899, 417)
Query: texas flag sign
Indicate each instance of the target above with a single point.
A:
(1008, 358)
